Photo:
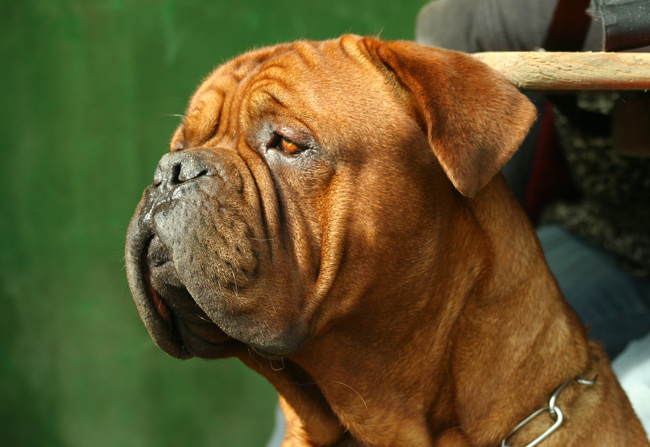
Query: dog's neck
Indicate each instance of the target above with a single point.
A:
(401, 406)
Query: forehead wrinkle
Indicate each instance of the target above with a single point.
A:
(212, 115)
(252, 95)
(283, 75)
(203, 115)
(309, 53)
(285, 108)
(272, 72)
(278, 80)
(222, 90)
(289, 81)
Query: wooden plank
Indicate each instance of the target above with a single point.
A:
(560, 71)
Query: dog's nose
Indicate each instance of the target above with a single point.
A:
(179, 167)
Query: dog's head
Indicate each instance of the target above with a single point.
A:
(305, 177)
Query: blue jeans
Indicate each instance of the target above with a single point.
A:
(614, 304)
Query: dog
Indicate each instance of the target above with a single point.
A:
(332, 214)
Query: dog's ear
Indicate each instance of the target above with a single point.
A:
(474, 118)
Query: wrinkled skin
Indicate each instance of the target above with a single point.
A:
(331, 214)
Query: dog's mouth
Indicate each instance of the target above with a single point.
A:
(174, 320)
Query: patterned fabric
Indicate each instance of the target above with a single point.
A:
(613, 211)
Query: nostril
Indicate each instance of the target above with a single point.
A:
(190, 171)
(176, 174)
(179, 167)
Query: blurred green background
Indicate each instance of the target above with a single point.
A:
(89, 90)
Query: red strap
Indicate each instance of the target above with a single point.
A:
(549, 178)
(569, 27)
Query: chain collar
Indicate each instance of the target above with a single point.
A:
(553, 410)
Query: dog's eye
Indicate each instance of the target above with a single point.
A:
(289, 146)
(285, 145)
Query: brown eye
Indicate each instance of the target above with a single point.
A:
(289, 146)
(285, 145)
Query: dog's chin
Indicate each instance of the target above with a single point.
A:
(172, 317)
(196, 334)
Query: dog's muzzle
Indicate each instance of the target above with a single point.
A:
(159, 227)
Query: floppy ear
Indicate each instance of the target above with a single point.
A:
(474, 118)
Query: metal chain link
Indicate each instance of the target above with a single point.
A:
(554, 412)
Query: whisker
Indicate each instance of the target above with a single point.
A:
(234, 278)
(317, 383)
(355, 391)
(275, 309)
(220, 288)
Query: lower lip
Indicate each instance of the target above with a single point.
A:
(210, 333)
(160, 306)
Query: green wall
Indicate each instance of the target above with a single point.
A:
(88, 93)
